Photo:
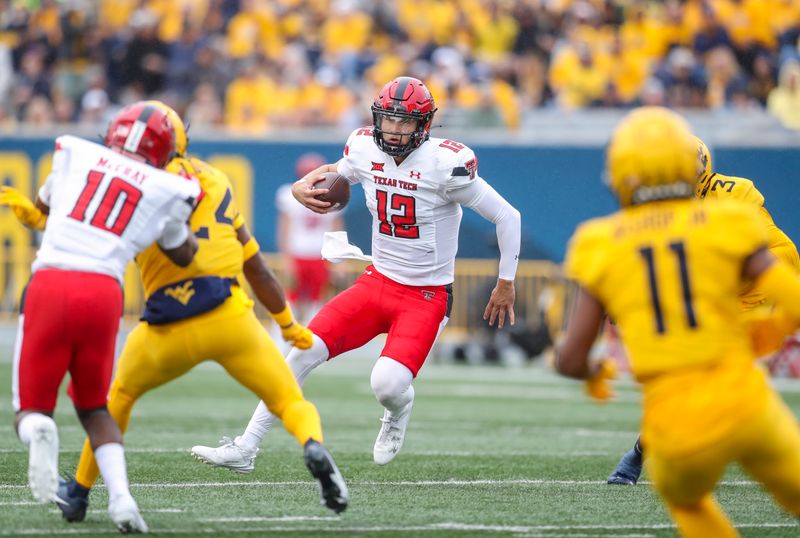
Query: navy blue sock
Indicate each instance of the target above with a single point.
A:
(76, 490)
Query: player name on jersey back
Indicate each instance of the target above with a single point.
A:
(104, 207)
(414, 224)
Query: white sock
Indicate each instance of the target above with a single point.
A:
(27, 424)
(300, 362)
(391, 383)
(110, 459)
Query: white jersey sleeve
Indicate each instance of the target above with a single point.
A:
(463, 169)
(348, 165)
(105, 208)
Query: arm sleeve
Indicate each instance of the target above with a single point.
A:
(175, 229)
(486, 202)
(60, 164)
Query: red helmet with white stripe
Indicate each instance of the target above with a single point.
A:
(144, 130)
(408, 98)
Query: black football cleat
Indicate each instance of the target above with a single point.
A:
(628, 469)
(72, 500)
(333, 490)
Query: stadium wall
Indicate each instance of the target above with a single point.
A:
(554, 186)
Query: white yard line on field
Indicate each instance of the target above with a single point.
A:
(450, 526)
(23, 450)
(409, 483)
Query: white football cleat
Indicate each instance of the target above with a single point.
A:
(43, 461)
(228, 455)
(391, 436)
(125, 514)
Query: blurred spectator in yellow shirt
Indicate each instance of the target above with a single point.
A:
(344, 35)
(495, 33)
(723, 72)
(576, 78)
(626, 70)
(249, 99)
(254, 29)
(784, 100)
(205, 110)
(678, 27)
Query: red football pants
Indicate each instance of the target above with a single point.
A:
(373, 305)
(309, 279)
(69, 324)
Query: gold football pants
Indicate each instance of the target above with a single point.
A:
(766, 446)
(232, 336)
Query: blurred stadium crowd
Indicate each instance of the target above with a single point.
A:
(253, 66)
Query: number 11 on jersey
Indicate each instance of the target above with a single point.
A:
(679, 249)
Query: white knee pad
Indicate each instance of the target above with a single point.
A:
(302, 361)
(391, 383)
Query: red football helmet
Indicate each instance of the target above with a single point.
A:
(145, 130)
(403, 97)
(308, 162)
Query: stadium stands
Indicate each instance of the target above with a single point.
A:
(255, 66)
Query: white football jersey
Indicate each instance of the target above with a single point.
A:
(306, 228)
(104, 208)
(414, 223)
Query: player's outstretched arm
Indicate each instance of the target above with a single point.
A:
(270, 292)
(777, 281)
(572, 354)
(33, 215)
(304, 192)
(484, 200)
(177, 240)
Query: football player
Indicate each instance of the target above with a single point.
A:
(73, 302)
(201, 312)
(713, 185)
(415, 186)
(299, 237)
(668, 269)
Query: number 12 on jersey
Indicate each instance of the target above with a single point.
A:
(679, 250)
(403, 225)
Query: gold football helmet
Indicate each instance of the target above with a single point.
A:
(652, 156)
(704, 169)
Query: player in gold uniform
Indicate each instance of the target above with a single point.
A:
(668, 269)
(715, 186)
(200, 312)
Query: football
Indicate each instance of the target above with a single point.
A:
(338, 190)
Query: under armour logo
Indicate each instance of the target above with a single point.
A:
(428, 295)
(414, 175)
(377, 166)
(368, 272)
(182, 294)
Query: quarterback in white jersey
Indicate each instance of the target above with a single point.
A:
(300, 233)
(415, 186)
(101, 206)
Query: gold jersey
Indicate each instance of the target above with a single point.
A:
(739, 188)
(668, 273)
(214, 222)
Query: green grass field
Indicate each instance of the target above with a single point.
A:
(489, 452)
